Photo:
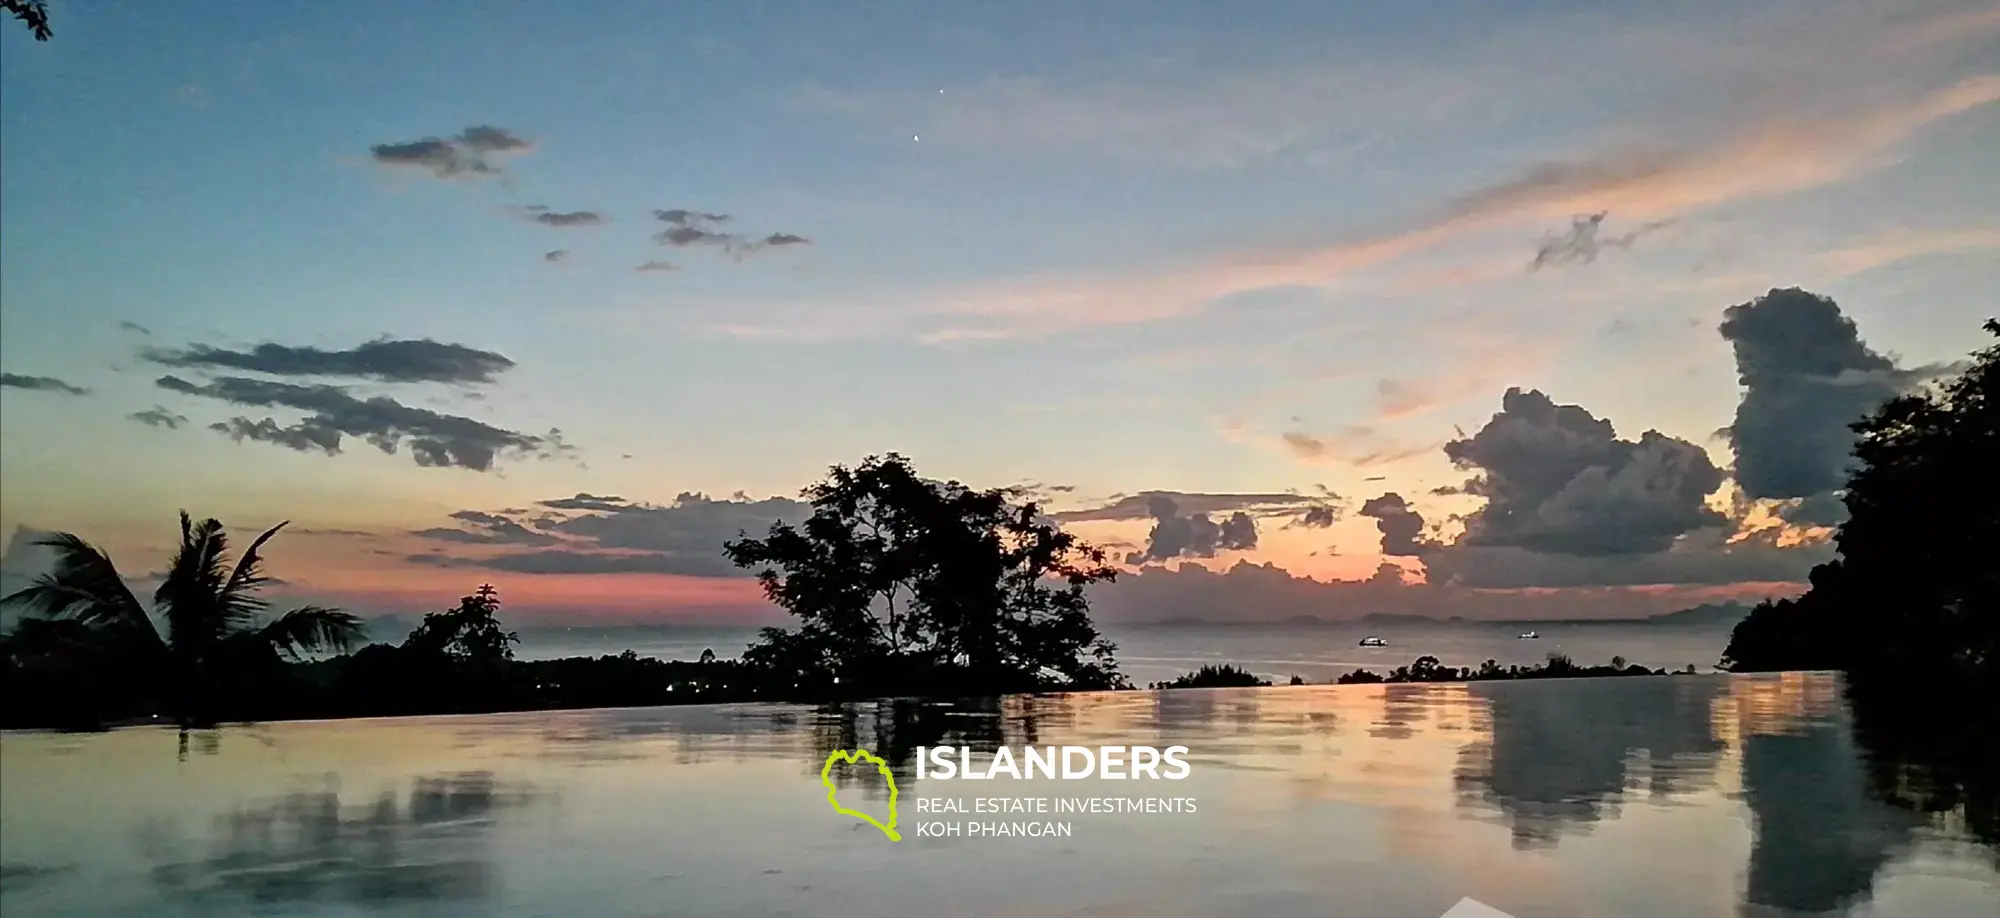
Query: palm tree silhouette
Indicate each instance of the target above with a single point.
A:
(209, 614)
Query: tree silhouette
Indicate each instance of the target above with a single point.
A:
(33, 13)
(470, 633)
(901, 583)
(212, 617)
(1226, 675)
(1915, 587)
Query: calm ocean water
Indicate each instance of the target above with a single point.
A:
(1319, 653)
(1676, 796)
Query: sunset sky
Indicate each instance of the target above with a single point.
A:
(561, 296)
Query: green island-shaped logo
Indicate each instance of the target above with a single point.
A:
(832, 793)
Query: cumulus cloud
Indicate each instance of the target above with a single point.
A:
(435, 439)
(1581, 243)
(384, 359)
(473, 152)
(1402, 527)
(562, 219)
(696, 228)
(1558, 479)
(1806, 375)
(40, 384)
(594, 534)
(1193, 535)
(158, 416)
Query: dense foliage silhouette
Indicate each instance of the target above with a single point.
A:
(905, 585)
(206, 634)
(1915, 588)
(1226, 675)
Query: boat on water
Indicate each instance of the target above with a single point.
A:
(1372, 641)
(1530, 636)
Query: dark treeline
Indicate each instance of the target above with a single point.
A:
(1430, 669)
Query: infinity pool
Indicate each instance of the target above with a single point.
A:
(1668, 796)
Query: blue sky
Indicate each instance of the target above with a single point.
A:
(1116, 247)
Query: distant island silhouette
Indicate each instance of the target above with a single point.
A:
(1708, 614)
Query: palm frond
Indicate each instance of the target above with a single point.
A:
(33, 13)
(312, 628)
(238, 596)
(83, 585)
(189, 597)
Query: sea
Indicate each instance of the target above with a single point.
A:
(1316, 652)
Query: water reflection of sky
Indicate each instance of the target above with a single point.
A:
(1674, 796)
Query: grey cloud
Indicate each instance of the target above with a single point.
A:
(478, 528)
(1140, 506)
(1581, 244)
(158, 416)
(656, 266)
(584, 501)
(608, 534)
(1806, 375)
(1402, 527)
(40, 384)
(688, 227)
(556, 257)
(563, 219)
(304, 436)
(135, 328)
(1319, 517)
(1702, 558)
(385, 359)
(1193, 535)
(435, 440)
(1557, 479)
(691, 228)
(470, 153)
(689, 217)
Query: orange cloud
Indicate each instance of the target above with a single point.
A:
(1775, 156)
(1888, 250)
